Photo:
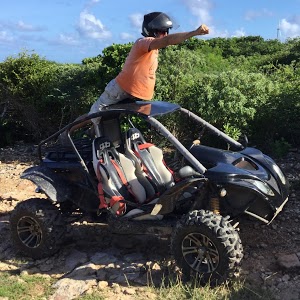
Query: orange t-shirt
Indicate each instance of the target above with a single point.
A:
(137, 77)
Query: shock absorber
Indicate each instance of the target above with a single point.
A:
(215, 205)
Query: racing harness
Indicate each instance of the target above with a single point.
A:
(117, 178)
(150, 159)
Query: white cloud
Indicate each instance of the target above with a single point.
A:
(224, 33)
(91, 3)
(22, 26)
(290, 29)
(32, 38)
(213, 32)
(252, 15)
(200, 9)
(239, 33)
(136, 20)
(91, 27)
(67, 40)
(5, 37)
(126, 36)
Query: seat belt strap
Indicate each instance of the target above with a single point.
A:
(113, 200)
(118, 199)
(102, 203)
(144, 146)
(123, 178)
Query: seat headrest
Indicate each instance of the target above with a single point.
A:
(135, 136)
(104, 145)
(101, 143)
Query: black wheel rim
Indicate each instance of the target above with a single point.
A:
(200, 253)
(29, 232)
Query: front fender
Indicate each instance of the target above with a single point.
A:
(54, 186)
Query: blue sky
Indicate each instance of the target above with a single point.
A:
(68, 31)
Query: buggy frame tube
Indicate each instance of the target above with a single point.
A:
(56, 134)
(170, 137)
(213, 129)
(67, 129)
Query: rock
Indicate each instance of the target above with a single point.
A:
(128, 291)
(288, 261)
(116, 288)
(68, 288)
(130, 269)
(126, 265)
(102, 258)
(142, 280)
(156, 267)
(133, 257)
(124, 242)
(131, 277)
(74, 259)
(117, 278)
(84, 272)
(102, 284)
(47, 266)
(149, 295)
(101, 274)
(286, 278)
(98, 257)
(263, 245)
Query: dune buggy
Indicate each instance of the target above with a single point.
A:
(195, 194)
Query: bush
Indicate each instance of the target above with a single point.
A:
(229, 100)
(40, 96)
(279, 117)
(240, 85)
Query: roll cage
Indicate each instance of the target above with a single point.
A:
(148, 111)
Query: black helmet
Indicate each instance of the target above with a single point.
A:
(154, 22)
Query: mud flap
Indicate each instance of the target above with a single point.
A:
(54, 186)
(59, 189)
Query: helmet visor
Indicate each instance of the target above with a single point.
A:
(161, 23)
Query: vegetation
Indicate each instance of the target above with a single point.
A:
(241, 85)
(24, 287)
(33, 287)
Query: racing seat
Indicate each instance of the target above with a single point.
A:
(149, 158)
(118, 182)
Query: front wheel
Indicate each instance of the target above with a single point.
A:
(37, 228)
(206, 247)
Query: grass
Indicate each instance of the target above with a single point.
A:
(236, 291)
(180, 291)
(94, 296)
(24, 287)
(33, 287)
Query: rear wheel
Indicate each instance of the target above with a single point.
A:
(207, 247)
(37, 228)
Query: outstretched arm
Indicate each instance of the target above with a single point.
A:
(177, 38)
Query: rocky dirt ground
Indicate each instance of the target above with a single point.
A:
(95, 259)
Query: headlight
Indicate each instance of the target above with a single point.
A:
(280, 174)
(263, 187)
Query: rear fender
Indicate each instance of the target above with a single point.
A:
(54, 186)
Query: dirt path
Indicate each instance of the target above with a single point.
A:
(97, 257)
